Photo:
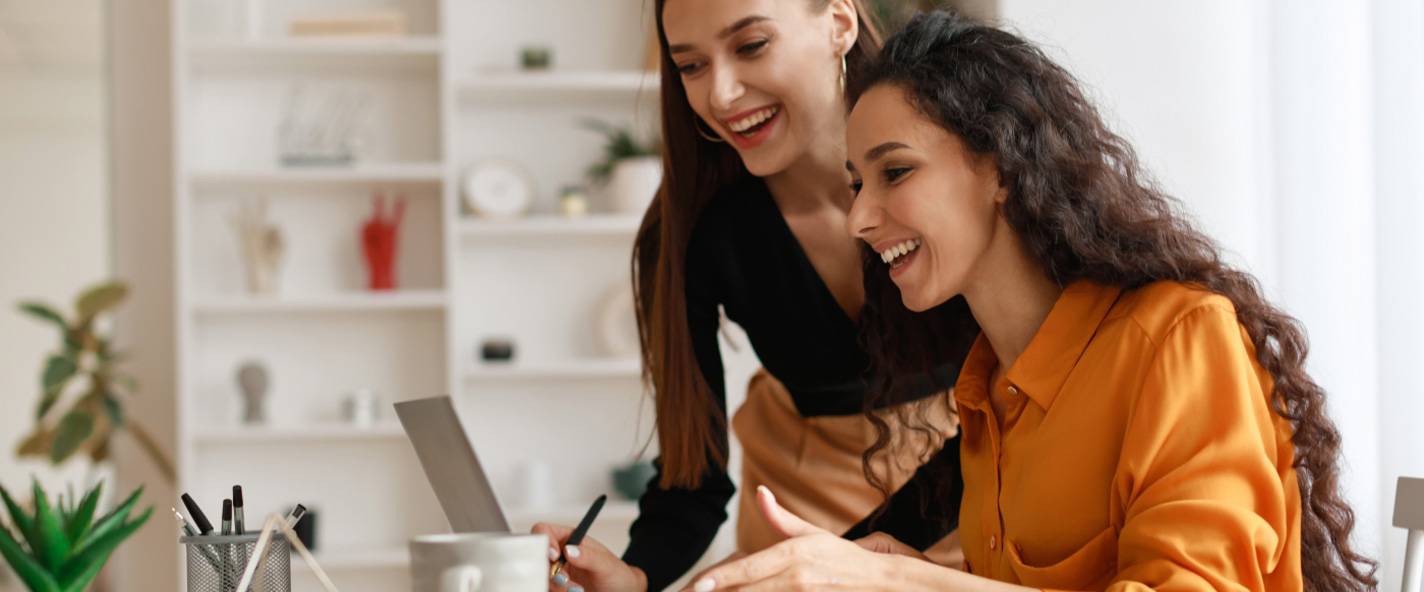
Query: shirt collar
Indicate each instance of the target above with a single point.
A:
(1050, 357)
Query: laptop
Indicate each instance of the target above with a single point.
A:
(451, 466)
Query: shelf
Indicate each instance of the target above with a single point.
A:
(571, 83)
(354, 301)
(611, 368)
(317, 52)
(298, 435)
(360, 173)
(545, 226)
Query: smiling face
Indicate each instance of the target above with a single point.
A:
(924, 202)
(763, 74)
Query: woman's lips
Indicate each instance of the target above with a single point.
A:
(902, 264)
(760, 137)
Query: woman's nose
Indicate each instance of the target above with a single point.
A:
(864, 218)
(726, 88)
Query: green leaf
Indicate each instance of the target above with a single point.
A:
(100, 298)
(83, 517)
(44, 312)
(96, 551)
(85, 577)
(25, 566)
(49, 546)
(74, 429)
(110, 521)
(23, 522)
(114, 409)
(58, 369)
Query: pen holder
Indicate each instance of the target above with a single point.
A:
(215, 563)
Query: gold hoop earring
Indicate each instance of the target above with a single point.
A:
(697, 123)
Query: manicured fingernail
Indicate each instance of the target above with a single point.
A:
(561, 579)
(571, 551)
(553, 554)
(575, 588)
(704, 585)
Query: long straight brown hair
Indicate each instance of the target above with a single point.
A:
(691, 423)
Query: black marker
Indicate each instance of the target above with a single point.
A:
(237, 527)
(199, 518)
(227, 517)
(578, 534)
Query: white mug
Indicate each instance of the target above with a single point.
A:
(479, 562)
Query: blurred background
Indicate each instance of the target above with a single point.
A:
(315, 208)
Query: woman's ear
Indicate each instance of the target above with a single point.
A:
(845, 25)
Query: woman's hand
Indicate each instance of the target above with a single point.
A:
(879, 542)
(810, 559)
(591, 566)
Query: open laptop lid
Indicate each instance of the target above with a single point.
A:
(451, 466)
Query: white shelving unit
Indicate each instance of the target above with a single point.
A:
(438, 101)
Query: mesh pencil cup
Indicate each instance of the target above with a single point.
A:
(216, 562)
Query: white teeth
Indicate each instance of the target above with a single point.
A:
(900, 250)
(747, 122)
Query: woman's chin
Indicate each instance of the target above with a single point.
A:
(916, 302)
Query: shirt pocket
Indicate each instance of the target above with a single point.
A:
(1088, 568)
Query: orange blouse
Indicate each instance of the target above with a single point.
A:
(1138, 451)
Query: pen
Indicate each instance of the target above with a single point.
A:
(578, 534)
(187, 529)
(199, 518)
(296, 515)
(227, 517)
(237, 526)
(183, 524)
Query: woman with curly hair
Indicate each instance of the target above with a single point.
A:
(1135, 414)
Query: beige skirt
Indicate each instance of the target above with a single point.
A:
(813, 464)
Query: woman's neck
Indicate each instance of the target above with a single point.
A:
(815, 180)
(1010, 296)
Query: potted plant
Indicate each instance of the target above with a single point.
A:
(631, 170)
(62, 548)
(83, 387)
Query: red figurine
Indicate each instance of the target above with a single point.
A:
(379, 236)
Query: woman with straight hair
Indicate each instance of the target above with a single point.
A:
(1135, 414)
(751, 219)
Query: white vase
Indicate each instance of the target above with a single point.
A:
(633, 184)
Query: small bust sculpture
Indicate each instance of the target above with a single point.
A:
(252, 380)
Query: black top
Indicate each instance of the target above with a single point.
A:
(743, 256)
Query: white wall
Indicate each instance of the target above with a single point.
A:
(54, 206)
(1177, 79)
(1398, 57)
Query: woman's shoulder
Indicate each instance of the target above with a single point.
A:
(1160, 307)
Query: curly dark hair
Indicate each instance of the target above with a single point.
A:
(1085, 209)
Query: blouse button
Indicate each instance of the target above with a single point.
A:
(1013, 390)
(993, 543)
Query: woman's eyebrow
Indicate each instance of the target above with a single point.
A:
(724, 33)
(877, 152)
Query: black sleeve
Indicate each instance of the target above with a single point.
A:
(912, 518)
(675, 526)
